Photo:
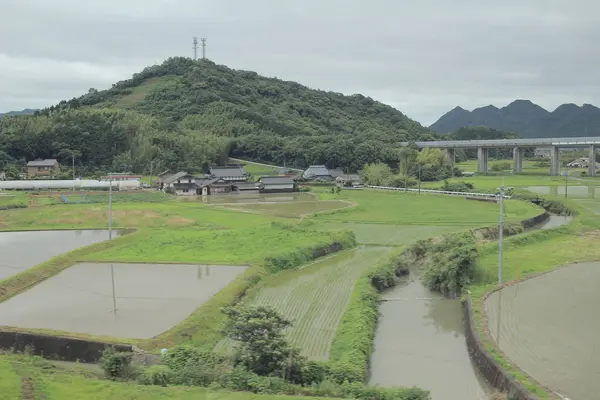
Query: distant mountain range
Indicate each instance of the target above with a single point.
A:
(526, 119)
(26, 111)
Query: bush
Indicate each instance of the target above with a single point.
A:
(458, 186)
(295, 258)
(501, 166)
(116, 364)
(452, 263)
(12, 206)
(160, 375)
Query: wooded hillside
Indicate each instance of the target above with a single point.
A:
(188, 114)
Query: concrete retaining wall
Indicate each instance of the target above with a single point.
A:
(489, 368)
(538, 219)
(56, 347)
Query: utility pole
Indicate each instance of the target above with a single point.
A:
(203, 48)
(112, 267)
(501, 231)
(566, 179)
(419, 178)
(195, 47)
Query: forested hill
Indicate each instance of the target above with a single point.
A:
(185, 114)
(527, 119)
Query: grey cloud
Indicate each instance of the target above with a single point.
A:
(422, 57)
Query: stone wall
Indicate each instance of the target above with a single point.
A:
(538, 219)
(56, 347)
(489, 368)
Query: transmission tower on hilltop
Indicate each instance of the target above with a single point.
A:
(195, 47)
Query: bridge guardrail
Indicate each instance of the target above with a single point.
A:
(442, 192)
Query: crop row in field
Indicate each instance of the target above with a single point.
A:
(314, 298)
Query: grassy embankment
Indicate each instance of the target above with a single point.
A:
(50, 382)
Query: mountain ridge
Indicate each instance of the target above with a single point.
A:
(27, 111)
(525, 118)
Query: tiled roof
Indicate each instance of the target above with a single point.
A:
(316, 170)
(49, 162)
(336, 172)
(276, 180)
(174, 177)
(222, 172)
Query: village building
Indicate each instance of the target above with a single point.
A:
(46, 168)
(231, 173)
(317, 172)
(348, 180)
(277, 184)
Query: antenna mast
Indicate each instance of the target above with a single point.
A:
(203, 48)
(195, 47)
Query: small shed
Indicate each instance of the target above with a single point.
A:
(47, 167)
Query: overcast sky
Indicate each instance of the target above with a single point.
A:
(423, 57)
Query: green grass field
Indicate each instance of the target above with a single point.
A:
(10, 381)
(413, 209)
(238, 247)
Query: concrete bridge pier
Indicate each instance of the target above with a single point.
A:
(517, 160)
(592, 161)
(451, 154)
(554, 160)
(482, 159)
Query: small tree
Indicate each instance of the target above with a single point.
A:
(263, 348)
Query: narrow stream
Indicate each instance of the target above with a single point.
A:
(420, 340)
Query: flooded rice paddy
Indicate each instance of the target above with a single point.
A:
(390, 235)
(150, 298)
(250, 198)
(549, 327)
(23, 250)
(420, 341)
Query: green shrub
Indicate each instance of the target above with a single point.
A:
(116, 364)
(292, 259)
(501, 166)
(457, 186)
(159, 375)
(12, 206)
(452, 263)
(353, 341)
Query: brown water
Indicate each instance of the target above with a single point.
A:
(23, 250)
(150, 298)
(550, 327)
(250, 198)
(420, 341)
(552, 222)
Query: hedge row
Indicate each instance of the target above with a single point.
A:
(12, 206)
